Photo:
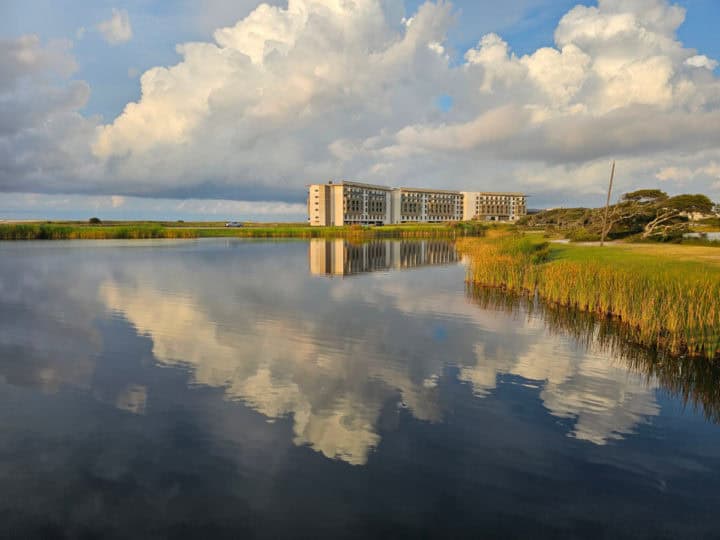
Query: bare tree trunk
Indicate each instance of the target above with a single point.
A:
(650, 227)
(607, 206)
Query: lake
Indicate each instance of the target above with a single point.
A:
(322, 389)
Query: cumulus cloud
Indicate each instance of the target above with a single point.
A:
(117, 28)
(683, 174)
(323, 89)
(25, 57)
(44, 139)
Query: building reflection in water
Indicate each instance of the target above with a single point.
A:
(338, 257)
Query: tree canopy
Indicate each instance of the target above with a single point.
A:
(688, 203)
(650, 213)
(645, 195)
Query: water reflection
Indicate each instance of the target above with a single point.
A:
(338, 257)
(223, 373)
(331, 355)
(696, 382)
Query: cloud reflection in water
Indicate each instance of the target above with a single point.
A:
(332, 354)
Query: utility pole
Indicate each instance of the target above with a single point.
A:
(607, 206)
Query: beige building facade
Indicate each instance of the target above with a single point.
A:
(494, 206)
(415, 205)
(349, 203)
(355, 203)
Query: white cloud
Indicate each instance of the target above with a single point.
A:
(559, 73)
(701, 61)
(679, 174)
(25, 58)
(683, 174)
(117, 28)
(322, 89)
(44, 140)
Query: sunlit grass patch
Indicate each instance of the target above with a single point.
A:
(673, 302)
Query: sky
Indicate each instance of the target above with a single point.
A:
(213, 109)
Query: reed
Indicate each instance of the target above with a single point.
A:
(696, 383)
(456, 230)
(76, 231)
(667, 305)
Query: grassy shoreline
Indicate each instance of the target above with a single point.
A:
(667, 300)
(129, 230)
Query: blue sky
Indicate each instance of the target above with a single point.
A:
(111, 73)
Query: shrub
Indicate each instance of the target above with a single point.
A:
(581, 234)
(469, 228)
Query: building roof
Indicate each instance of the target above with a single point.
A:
(428, 190)
(496, 193)
(362, 185)
(425, 190)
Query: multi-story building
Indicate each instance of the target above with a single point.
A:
(490, 206)
(415, 205)
(349, 203)
(353, 203)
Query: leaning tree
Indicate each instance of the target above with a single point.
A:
(671, 213)
(633, 210)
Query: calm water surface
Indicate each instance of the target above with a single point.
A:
(248, 389)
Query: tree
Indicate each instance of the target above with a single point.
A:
(650, 213)
(94, 221)
(632, 211)
(654, 213)
(668, 213)
(645, 196)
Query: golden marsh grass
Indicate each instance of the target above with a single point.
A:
(670, 303)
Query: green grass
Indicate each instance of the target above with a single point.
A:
(678, 256)
(668, 298)
(89, 232)
(140, 230)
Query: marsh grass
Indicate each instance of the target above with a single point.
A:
(666, 304)
(696, 383)
(89, 232)
(76, 231)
